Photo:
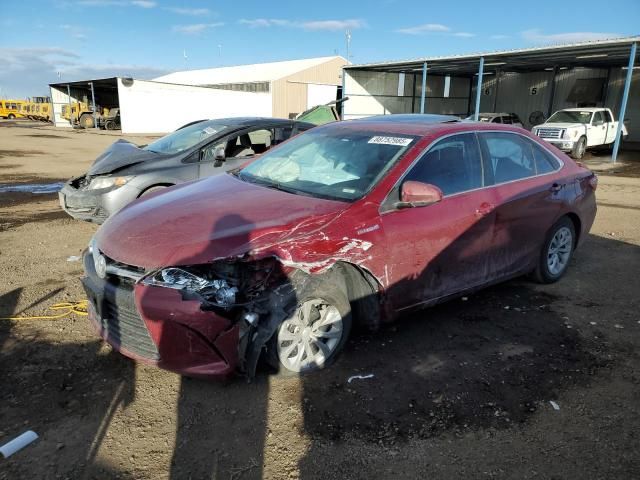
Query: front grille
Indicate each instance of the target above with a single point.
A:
(549, 132)
(123, 326)
(118, 318)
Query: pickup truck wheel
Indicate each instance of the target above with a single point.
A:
(579, 148)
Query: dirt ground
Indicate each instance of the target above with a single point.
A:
(462, 390)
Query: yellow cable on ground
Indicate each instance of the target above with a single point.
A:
(67, 308)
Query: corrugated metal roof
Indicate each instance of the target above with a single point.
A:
(259, 72)
(615, 48)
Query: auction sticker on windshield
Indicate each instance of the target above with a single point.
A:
(400, 141)
(210, 131)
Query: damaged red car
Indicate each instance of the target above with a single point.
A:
(350, 223)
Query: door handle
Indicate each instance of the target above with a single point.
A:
(556, 187)
(484, 209)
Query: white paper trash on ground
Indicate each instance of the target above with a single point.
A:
(18, 443)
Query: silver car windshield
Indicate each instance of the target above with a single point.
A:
(185, 138)
(570, 117)
(334, 164)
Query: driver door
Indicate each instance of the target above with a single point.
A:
(443, 248)
(597, 130)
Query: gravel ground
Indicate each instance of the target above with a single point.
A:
(462, 390)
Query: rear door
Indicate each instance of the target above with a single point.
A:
(440, 249)
(598, 130)
(528, 194)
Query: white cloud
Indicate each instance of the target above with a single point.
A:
(536, 36)
(425, 28)
(195, 12)
(28, 71)
(310, 25)
(464, 34)
(118, 3)
(499, 37)
(195, 28)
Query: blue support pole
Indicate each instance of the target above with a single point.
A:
(623, 104)
(344, 93)
(476, 113)
(93, 106)
(423, 94)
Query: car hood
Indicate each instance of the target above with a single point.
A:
(121, 154)
(561, 125)
(212, 218)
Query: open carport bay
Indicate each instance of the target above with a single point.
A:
(462, 390)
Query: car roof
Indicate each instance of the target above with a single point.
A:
(410, 118)
(388, 124)
(586, 109)
(247, 121)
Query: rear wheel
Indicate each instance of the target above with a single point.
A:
(579, 148)
(556, 252)
(86, 120)
(109, 125)
(315, 333)
(11, 116)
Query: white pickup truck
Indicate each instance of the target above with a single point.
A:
(574, 130)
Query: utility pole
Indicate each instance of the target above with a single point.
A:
(348, 37)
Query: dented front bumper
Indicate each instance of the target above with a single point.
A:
(155, 325)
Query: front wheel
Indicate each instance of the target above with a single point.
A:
(556, 252)
(314, 334)
(11, 116)
(86, 121)
(579, 148)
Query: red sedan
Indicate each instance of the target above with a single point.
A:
(350, 222)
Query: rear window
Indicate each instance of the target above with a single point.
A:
(545, 162)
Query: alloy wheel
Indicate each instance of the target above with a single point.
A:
(559, 251)
(310, 336)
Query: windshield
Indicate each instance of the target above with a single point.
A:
(334, 164)
(565, 116)
(185, 138)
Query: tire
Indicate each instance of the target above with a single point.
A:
(86, 120)
(579, 148)
(149, 190)
(109, 125)
(11, 116)
(298, 338)
(552, 265)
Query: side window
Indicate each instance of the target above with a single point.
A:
(508, 156)
(208, 152)
(453, 165)
(598, 118)
(497, 120)
(545, 162)
(261, 140)
(282, 134)
(607, 116)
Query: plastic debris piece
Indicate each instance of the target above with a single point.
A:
(593, 323)
(73, 258)
(18, 443)
(359, 377)
(554, 405)
(617, 325)
(464, 299)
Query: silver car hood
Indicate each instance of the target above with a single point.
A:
(121, 154)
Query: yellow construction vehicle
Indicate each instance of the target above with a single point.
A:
(81, 113)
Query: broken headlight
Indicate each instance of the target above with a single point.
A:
(217, 291)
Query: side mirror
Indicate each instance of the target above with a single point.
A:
(418, 194)
(219, 154)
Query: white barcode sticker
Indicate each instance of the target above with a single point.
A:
(399, 141)
(210, 130)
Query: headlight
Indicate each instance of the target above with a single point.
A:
(218, 291)
(107, 182)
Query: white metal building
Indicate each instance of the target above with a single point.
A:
(277, 89)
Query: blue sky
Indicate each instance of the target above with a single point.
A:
(146, 38)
